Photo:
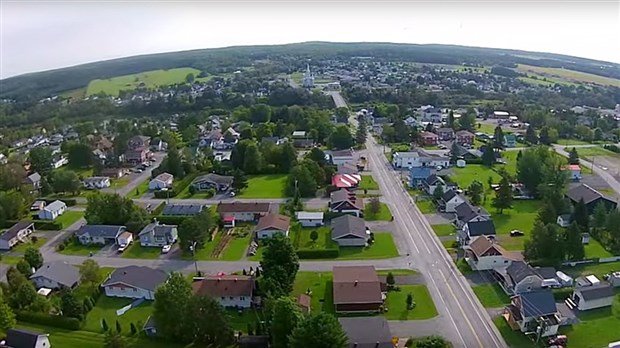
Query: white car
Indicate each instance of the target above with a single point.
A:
(122, 247)
(165, 249)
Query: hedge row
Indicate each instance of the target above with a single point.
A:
(318, 253)
(474, 161)
(48, 320)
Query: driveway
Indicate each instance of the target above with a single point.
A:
(439, 218)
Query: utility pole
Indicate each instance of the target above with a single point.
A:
(193, 249)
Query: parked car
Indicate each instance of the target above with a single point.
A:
(442, 146)
(166, 249)
(516, 233)
(232, 194)
(122, 247)
(560, 340)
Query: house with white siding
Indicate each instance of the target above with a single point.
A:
(56, 275)
(231, 291)
(483, 254)
(134, 282)
(272, 224)
(52, 210)
(243, 211)
(310, 218)
(99, 234)
(593, 296)
(20, 232)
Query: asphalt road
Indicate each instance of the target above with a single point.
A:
(608, 177)
(458, 307)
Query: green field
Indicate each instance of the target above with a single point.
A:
(465, 176)
(397, 306)
(444, 230)
(569, 75)
(265, 186)
(491, 295)
(9, 260)
(514, 339)
(69, 217)
(594, 250)
(535, 81)
(597, 328)
(384, 213)
(572, 142)
(368, 183)
(520, 217)
(151, 79)
(106, 307)
(589, 152)
(235, 250)
(426, 206)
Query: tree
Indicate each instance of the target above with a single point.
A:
(33, 257)
(104, 325)
(389, 280)
(285, 317)
(25, 296)
(545, 247)
(319, 330)
(581, 216)
(253, 161)
(572, 242)
(64, 180)
(468, 120)
(503, 196)
(317, 155)
(374, 206)
(598, 134)
(80, 155)
(475, 191)
(208, 323)
(114, 340)
(70, 306)
(547, 214)
(488, 156)
(11, 204)
(519, 155)
(530, 135)
(454, 152)
(301, 181)
(195, 229)
(118, 327)
(110, 209)
(24, 267)
(132, 328)
(409, 301)
(170, 308)
(279, 266)
(544, 136)
(288, 157)
(15, 278)
(314, 235)
(189, 78)
(260, 113)
(11, 176)
(438, 192)
(340, 139)
(41, 160)
(573, 156)
(240, 181)
(451, 119)
(599, 217)
(173, 163)
(361, 133)
(7, 317)
(90, 272)
(498, 138)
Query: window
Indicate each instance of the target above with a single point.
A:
(223, 297)
(242, 298)
(231, 298)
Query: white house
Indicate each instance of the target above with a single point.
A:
(56, 275)
(450, 200)
(97, 182)
(309, 218)
(19, 338)
(527, 308)
(158, 235)
(564, 220)
(342, 157)
(243, 211)
(574, 171)
(52, 210)
(419, 158)
(134, 282)
(593, 296)
(272, 224)
(19, 232)
(484, 254)
(231, 291)
(163, 180)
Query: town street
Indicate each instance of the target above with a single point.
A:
(455, 301)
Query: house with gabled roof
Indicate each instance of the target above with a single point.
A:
(212, 181)
(593, 296)
(56, 275)
(518, 278)
(431, 182)
(19, 338)
(243, 211)
(465, 212)
(465, 137)
(367, 332)
(156, 234)
(272, 224)
(162, 181)
(590, 196)
(357, 289)
(99, 234)
(344, 201)
(474, 229)
(450, 200)
(349, 230)
(134, 282)
(52, 210)
(526, 310)
(20, 232)
(484, 254)
(231, 291)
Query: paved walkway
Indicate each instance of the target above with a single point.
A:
(421, 328)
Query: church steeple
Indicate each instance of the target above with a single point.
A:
(308, 80)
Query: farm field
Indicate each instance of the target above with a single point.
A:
(569, 75)
(151, 79)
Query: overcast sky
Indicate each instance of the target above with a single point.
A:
(42, 35)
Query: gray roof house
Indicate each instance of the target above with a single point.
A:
(349, 230)
(519, 278)
(465, 212)
(526, 309)
(35, 180)
(18, 338)
(56, 275)
(590, 196)
(134, 282)
(99, 234)
(158, 235)
(367, 332)
(215, 181)
(19, 232)
(476, 228)
(183, 209)
(594, 296)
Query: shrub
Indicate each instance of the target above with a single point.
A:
(48, 320)
(132, 328)
(47, 225)
(165, 194)
(318, 253)
(60, 247)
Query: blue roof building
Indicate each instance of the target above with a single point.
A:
(417, 174)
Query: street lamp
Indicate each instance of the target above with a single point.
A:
(192, 248)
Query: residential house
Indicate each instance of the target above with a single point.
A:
(156, 144)
(518, 278)
(348, 230)
(96, 182)
(431, 114)
(510, 140)
(418, 158)
(19, 338)
(526, 310)
(113, 173)
(231, 291)
(182, 209)
(158, 235)
(272, 224)
(52, 210)
(465, 137)
(137, 156)
(302, 139)
(243, 211)
(430, 183)
(367, 332)
(341, 156)
(162, 181)
(411, 122)
(99, 234)
(463, 153)
(574, 171)
(483, 254)
(594, 296)
(37, 205)
(428, 138)
(20, 232)
(346, 181)
(417, 175)
(564, 220)
(445, 134)
(357, 289)
(343, 201)
(309, 218)
(34, 179)
(347, 168)
(213, 181)
(134, 282)
(449, 201)
(138, 142)
(466, 212)
(475, 229)
(211, 139)
(590, 196)
(59, 160)
(56, 275)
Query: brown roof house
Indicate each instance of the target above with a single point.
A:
(357, 289)
(465, 137)
(243, 211)
(272, 224)
(231, 291)
(344, 201)
(428, 138)
(305, 303)
(483, 254)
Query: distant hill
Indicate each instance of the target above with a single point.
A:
(52, 82)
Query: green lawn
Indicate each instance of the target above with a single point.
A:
(368, 183)
(21, 247)
(69, 217)
(465, 176)
(320, 285)
(151, 79)
(589, 152)
(491, 295)
(9, 260)
(265, 186)
(598, 269)
(382, 248)
(572, 142)
(594, 249)
(239, 319)
(140, 190)
(120, 182)
(397, 308)
(80, 250)
(444, 230)
(106, 309)
(426, 206)
(235, 250)
(597, 328)
(136, 251)
(520, 217)
(514, 339)
(384, 213)
(301, 239)
(396, 272)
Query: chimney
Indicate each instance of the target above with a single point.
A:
(355, 345)
(355, 283)
(377, 344)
